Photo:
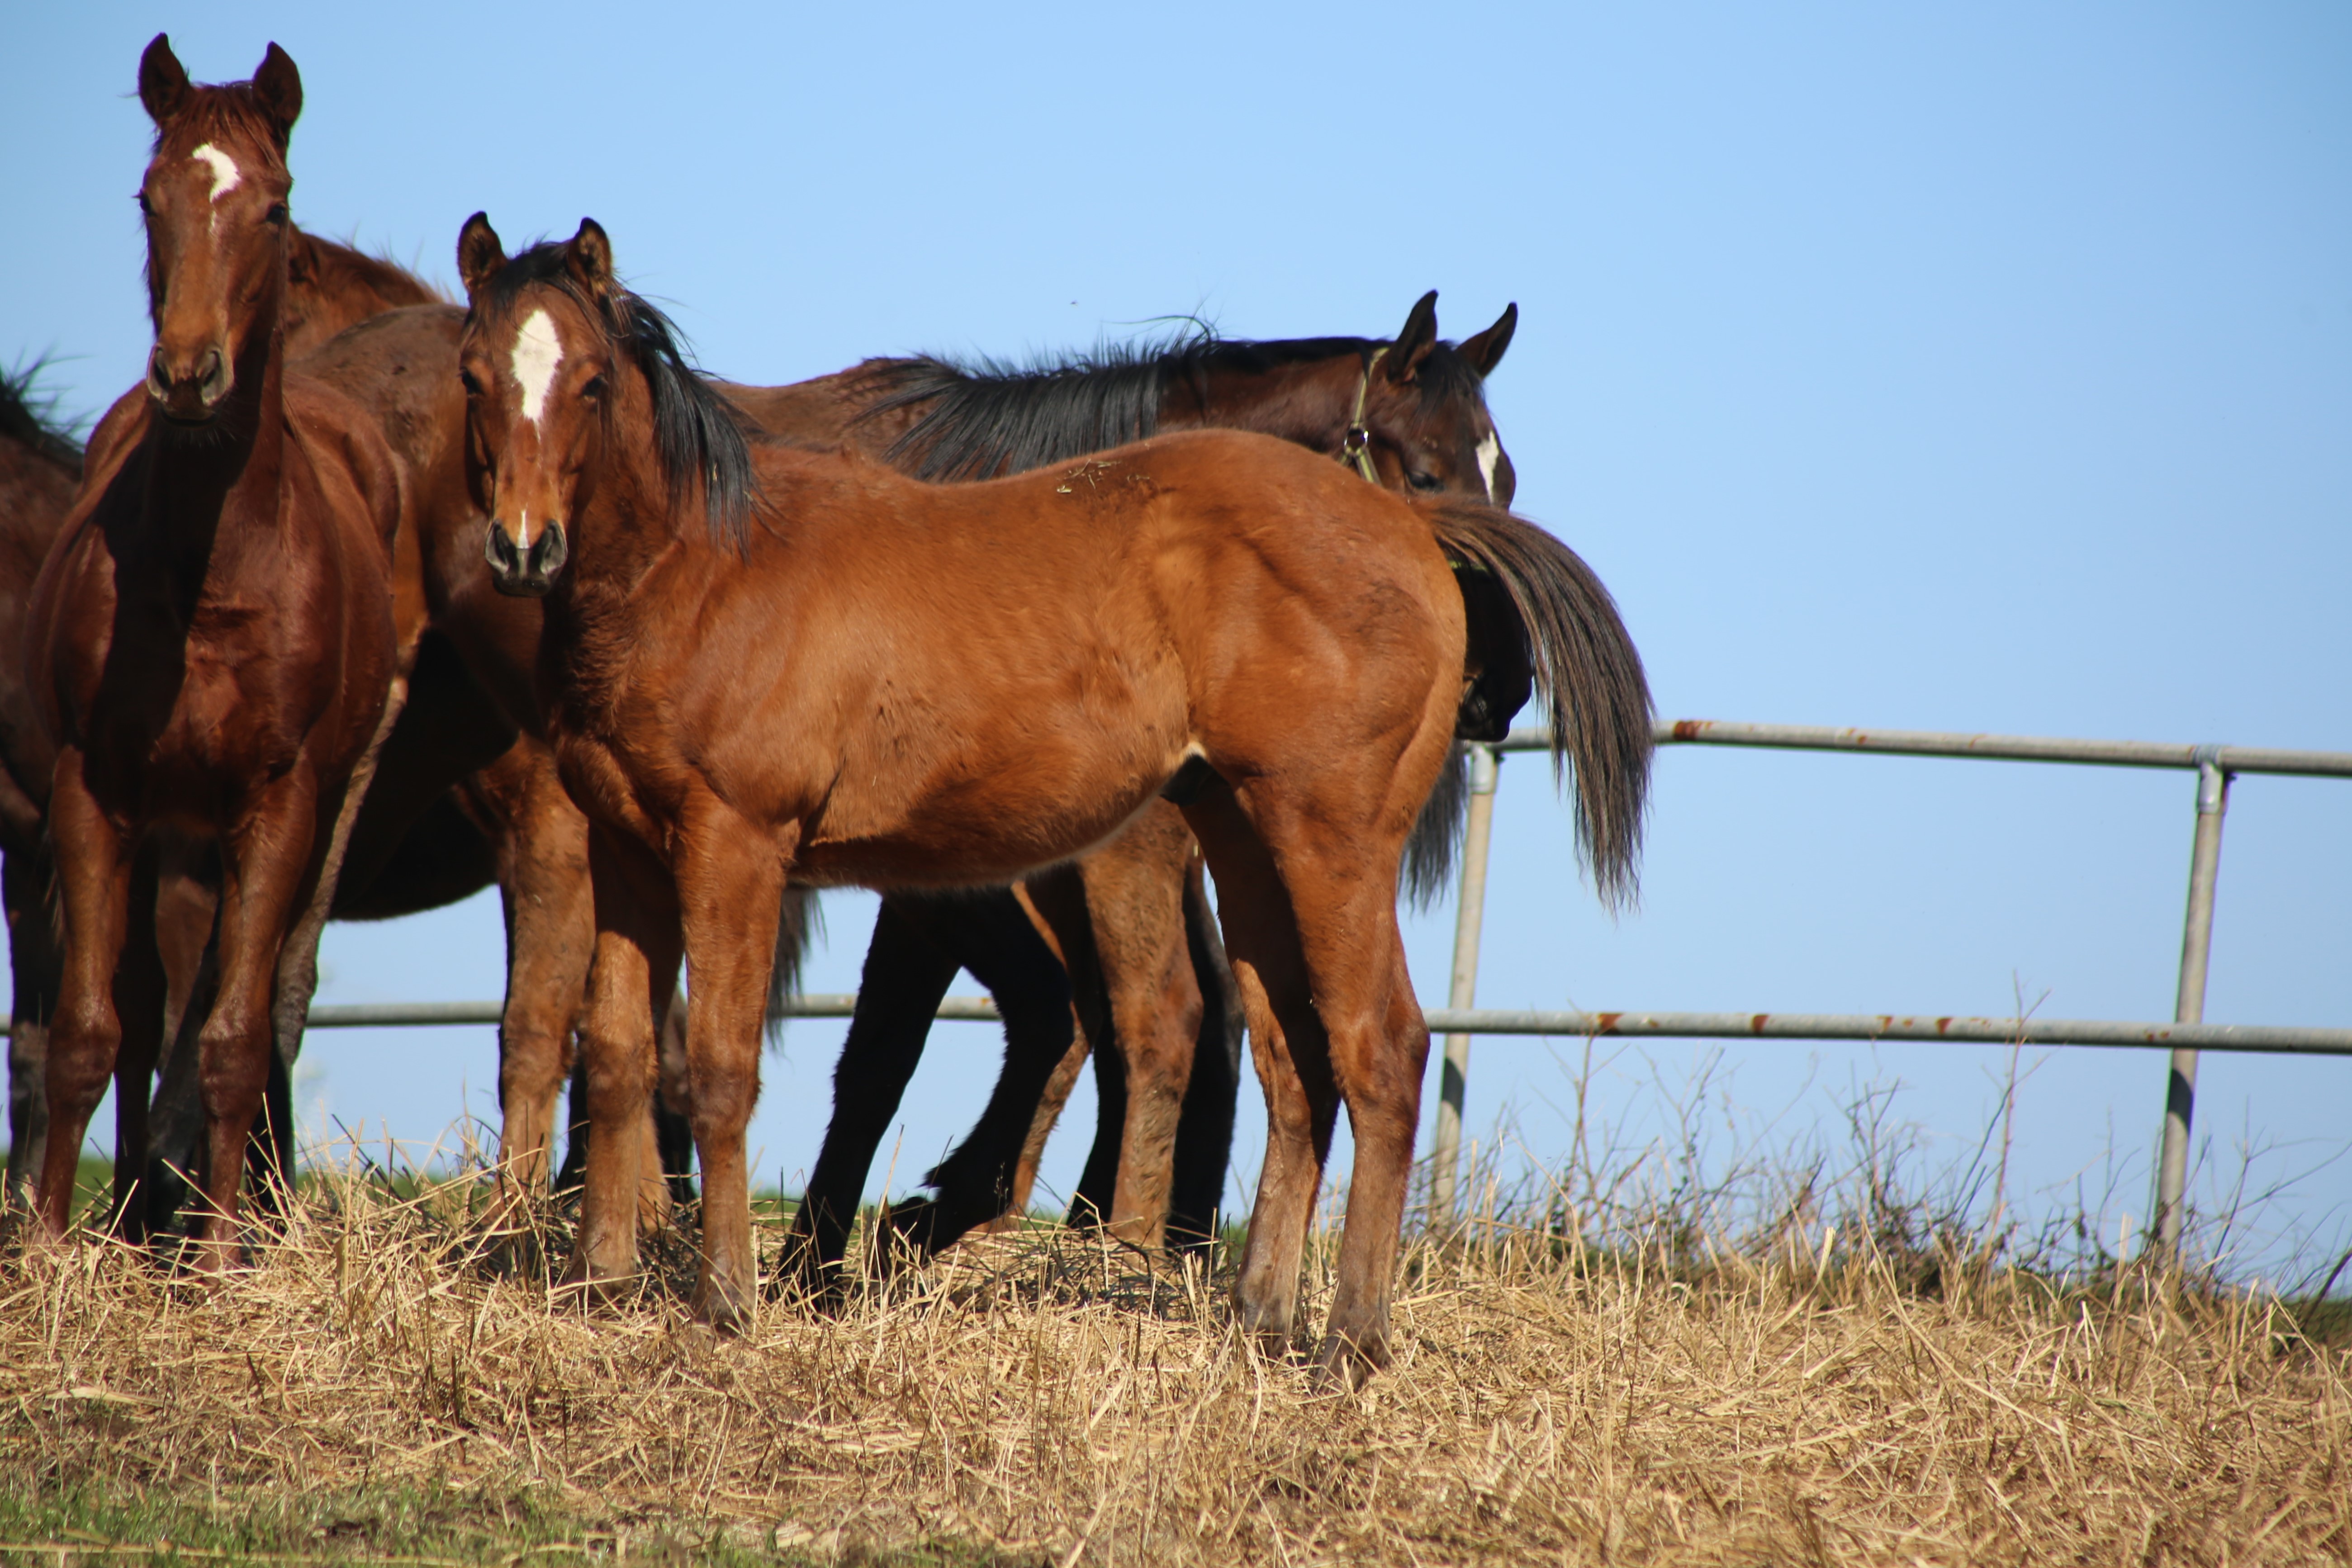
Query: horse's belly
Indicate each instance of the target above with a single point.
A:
(988, 824)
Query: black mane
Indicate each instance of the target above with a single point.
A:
(989, 418)
(30, 417)
(699, 435)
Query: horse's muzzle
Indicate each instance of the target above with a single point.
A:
(188, 387)
(525, 574)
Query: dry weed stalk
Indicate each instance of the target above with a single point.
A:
(1046, 1395)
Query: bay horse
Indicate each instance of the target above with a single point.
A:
(329, 287)
(1426, 427)
(1123, 933)
(211, 643)
(761, 661)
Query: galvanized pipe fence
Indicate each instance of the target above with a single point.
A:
(2185, 1036)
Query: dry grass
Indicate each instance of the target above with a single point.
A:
(1043, 1400)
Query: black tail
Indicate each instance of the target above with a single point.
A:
(798, 920)
(1437, 835)
(1582, 656)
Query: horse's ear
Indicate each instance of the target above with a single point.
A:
(479, 254)
(1414, 342)
(1484, 352)
(162, 80)
(589, 254)
(278, 87)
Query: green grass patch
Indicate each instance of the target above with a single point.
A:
(89, 1520)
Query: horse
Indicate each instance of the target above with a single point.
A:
(1123, 933)
(329, 287)
(403, 366)
(211, 643)
(763, 661)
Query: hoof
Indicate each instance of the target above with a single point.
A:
(1345, 1365)
(597, 1289)
(722, 1310)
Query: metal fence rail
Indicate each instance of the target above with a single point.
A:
(2258, 1038)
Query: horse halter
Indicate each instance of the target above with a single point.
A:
(1356, 444)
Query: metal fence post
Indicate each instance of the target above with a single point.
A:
(2196, 946)
(1446, 1153)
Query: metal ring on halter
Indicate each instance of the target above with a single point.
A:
(1355, 444)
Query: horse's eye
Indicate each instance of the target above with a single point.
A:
(1425, 481)
(466, 379)
(277, 213)
(146, 207)
(594, 389)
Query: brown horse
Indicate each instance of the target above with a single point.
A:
(211, 645)
(1426, 424)
(1122, 934)
(764, 661)
(329, 287)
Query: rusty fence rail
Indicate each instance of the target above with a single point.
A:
(2184, 1035)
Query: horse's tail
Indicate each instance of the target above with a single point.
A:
(1579, 653)
(797, 920)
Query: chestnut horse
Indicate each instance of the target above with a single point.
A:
(1123, 933)
(763, 661)
(211, 644)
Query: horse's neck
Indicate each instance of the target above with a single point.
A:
(198, 482)
(1298, 401)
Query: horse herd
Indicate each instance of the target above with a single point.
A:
(363, 601)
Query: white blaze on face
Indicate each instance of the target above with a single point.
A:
(538, 352)
(225, 177)
(1490, 451)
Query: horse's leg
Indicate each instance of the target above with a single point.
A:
(729, 893)
(35, 963)
(1135, 888)
(1204, 1132)
(139, 1003)
(1337, 881)
(899, 993)
(297, 972)
(1055, 900)
(994, 937)
(176, 1120)
(270, 863)
(672, 1105)
(1292, 1054)
(540, 840)
(632, 972)
(94, 876)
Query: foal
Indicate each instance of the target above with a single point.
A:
(838, 673)
(211, 642)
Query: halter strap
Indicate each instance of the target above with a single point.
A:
(1355, 444)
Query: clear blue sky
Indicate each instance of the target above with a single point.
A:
(1981, 369)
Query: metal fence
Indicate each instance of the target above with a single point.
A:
(2185, 1036)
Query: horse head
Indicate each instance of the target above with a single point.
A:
(213, 199)
(1420, 405)
(575, 385)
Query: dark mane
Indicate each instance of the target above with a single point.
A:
(29, 417)
(697, 433)
(991, 418)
